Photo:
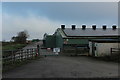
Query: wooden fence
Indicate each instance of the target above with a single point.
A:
(75, 50)
(12, 56)
(46, 52)
(115, 51)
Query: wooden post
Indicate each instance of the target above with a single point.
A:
(12, 57)
(111, 51)
(75, 50)
(21, 55)
(32, 52)
(27, 54)
(38, 49)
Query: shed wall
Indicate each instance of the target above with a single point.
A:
(59, 40)
(90, 46)
(76, 41)
(102, 49)
(50, 42)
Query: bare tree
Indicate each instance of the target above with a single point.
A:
(21, 37)
(23, 34)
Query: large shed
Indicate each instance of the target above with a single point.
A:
(103, 47)
(72, 38)
(49, 41)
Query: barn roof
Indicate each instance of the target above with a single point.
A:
(90, 32)
(105, 40)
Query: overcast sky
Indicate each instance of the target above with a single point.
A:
(45, 17)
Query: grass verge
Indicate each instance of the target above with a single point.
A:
(17, 64)
(12, 46)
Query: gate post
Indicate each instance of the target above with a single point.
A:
(111, 51)
(38, 49)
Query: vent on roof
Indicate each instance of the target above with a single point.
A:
(83, 26)
(104, 27)
(114, 27)
(62, 26)
(73, 27)
(94, 27)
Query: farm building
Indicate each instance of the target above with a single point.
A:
(104, 47)
(49, 41)
(78, 38)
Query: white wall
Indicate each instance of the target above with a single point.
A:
(103, 49)
(90, 46)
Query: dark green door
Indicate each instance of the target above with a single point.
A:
(93, 49)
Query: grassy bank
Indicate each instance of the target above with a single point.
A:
(18, 63)
(113, 58)
(12, 46)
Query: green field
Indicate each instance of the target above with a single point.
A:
(12, 46)
(0, 58)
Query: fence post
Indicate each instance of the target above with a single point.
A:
(75, 50)
(22, 51)
(12, 57)
(111, 50)
(27, 54)
(33, 54)
(38, 49)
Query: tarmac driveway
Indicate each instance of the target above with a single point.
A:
(33, 45)
(64, 67)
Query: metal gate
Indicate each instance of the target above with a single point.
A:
(46, 52)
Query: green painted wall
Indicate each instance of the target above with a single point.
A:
(59, 40)
(84, 41)
(53, 41)
(50, 41)
(76, 41)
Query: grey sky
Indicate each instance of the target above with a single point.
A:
(39, 18)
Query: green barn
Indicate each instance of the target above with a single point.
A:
(78, 38)
(49, 41)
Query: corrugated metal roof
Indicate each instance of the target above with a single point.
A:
(105, 40)
(90, 32)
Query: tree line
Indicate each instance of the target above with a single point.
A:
(21, 37)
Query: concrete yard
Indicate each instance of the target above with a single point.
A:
(64, 67)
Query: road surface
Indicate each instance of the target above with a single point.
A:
(33, 45)
(64, 67)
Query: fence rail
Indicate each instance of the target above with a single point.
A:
(11, 56)
(115, 51)
(46, 52)
(75, 50)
